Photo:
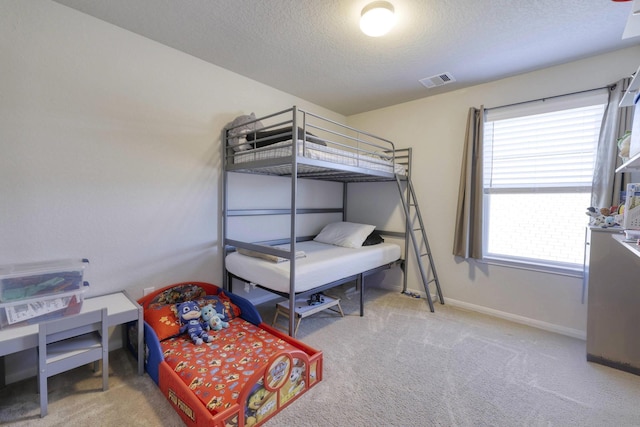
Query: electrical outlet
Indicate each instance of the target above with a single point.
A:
(147, 291)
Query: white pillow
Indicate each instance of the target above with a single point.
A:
(347, 234)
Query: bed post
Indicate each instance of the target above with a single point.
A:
(345, 185)
(226, 279)
(407, 232)
(294, 192)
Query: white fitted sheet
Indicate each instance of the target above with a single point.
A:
(320, 152)
(323, 264)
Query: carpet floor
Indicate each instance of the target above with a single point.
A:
(399, 365)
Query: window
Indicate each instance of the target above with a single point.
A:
(538, 167)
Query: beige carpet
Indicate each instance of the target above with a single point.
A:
(400, 365)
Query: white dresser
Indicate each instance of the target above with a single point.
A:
(612, 272)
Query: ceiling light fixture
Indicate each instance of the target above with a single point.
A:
(377, 18)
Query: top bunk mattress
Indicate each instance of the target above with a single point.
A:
(322, 264)
(312, 150)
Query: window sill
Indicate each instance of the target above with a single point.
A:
(568, 270)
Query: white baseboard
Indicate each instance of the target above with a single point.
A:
(551, 327)
(574, 333)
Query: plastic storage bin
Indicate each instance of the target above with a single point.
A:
(35, 292)
(26, 281)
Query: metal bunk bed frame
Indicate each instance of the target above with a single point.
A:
(296, 166)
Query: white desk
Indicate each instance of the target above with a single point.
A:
(121, 309)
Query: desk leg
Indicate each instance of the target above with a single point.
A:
(140, 342)
(140, 334)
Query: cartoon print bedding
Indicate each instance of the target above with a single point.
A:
(244, 375)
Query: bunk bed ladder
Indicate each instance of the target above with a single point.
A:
(421, 247)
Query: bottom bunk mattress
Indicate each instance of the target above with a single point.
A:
(323, 263)
(241, 375)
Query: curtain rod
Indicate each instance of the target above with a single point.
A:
(552, 97)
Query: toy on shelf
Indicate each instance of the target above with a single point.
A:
(604, 217)
(631, 220)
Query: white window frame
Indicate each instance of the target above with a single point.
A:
(550, 105)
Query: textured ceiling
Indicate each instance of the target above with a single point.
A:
(314, 48)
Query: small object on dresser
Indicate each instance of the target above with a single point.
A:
(632, 234)
(631, 220)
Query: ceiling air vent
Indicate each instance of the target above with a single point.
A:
(437, 80)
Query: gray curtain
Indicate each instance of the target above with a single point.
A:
(606, 184)
(468, 233)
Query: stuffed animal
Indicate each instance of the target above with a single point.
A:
(239, 128)
(212, 318)
(603, 217)
(189, 314)
(596, 217)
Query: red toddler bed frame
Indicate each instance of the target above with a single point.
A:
(245, 375)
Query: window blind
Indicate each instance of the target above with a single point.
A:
(543, 148)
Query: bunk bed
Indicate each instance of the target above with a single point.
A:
(242, 376)
(296, 144)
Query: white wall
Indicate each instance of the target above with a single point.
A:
(435, 128)
(110, 148)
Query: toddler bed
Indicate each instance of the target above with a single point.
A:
(244, 376)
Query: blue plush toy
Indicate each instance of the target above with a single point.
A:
(213, 318)
(189, 313)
